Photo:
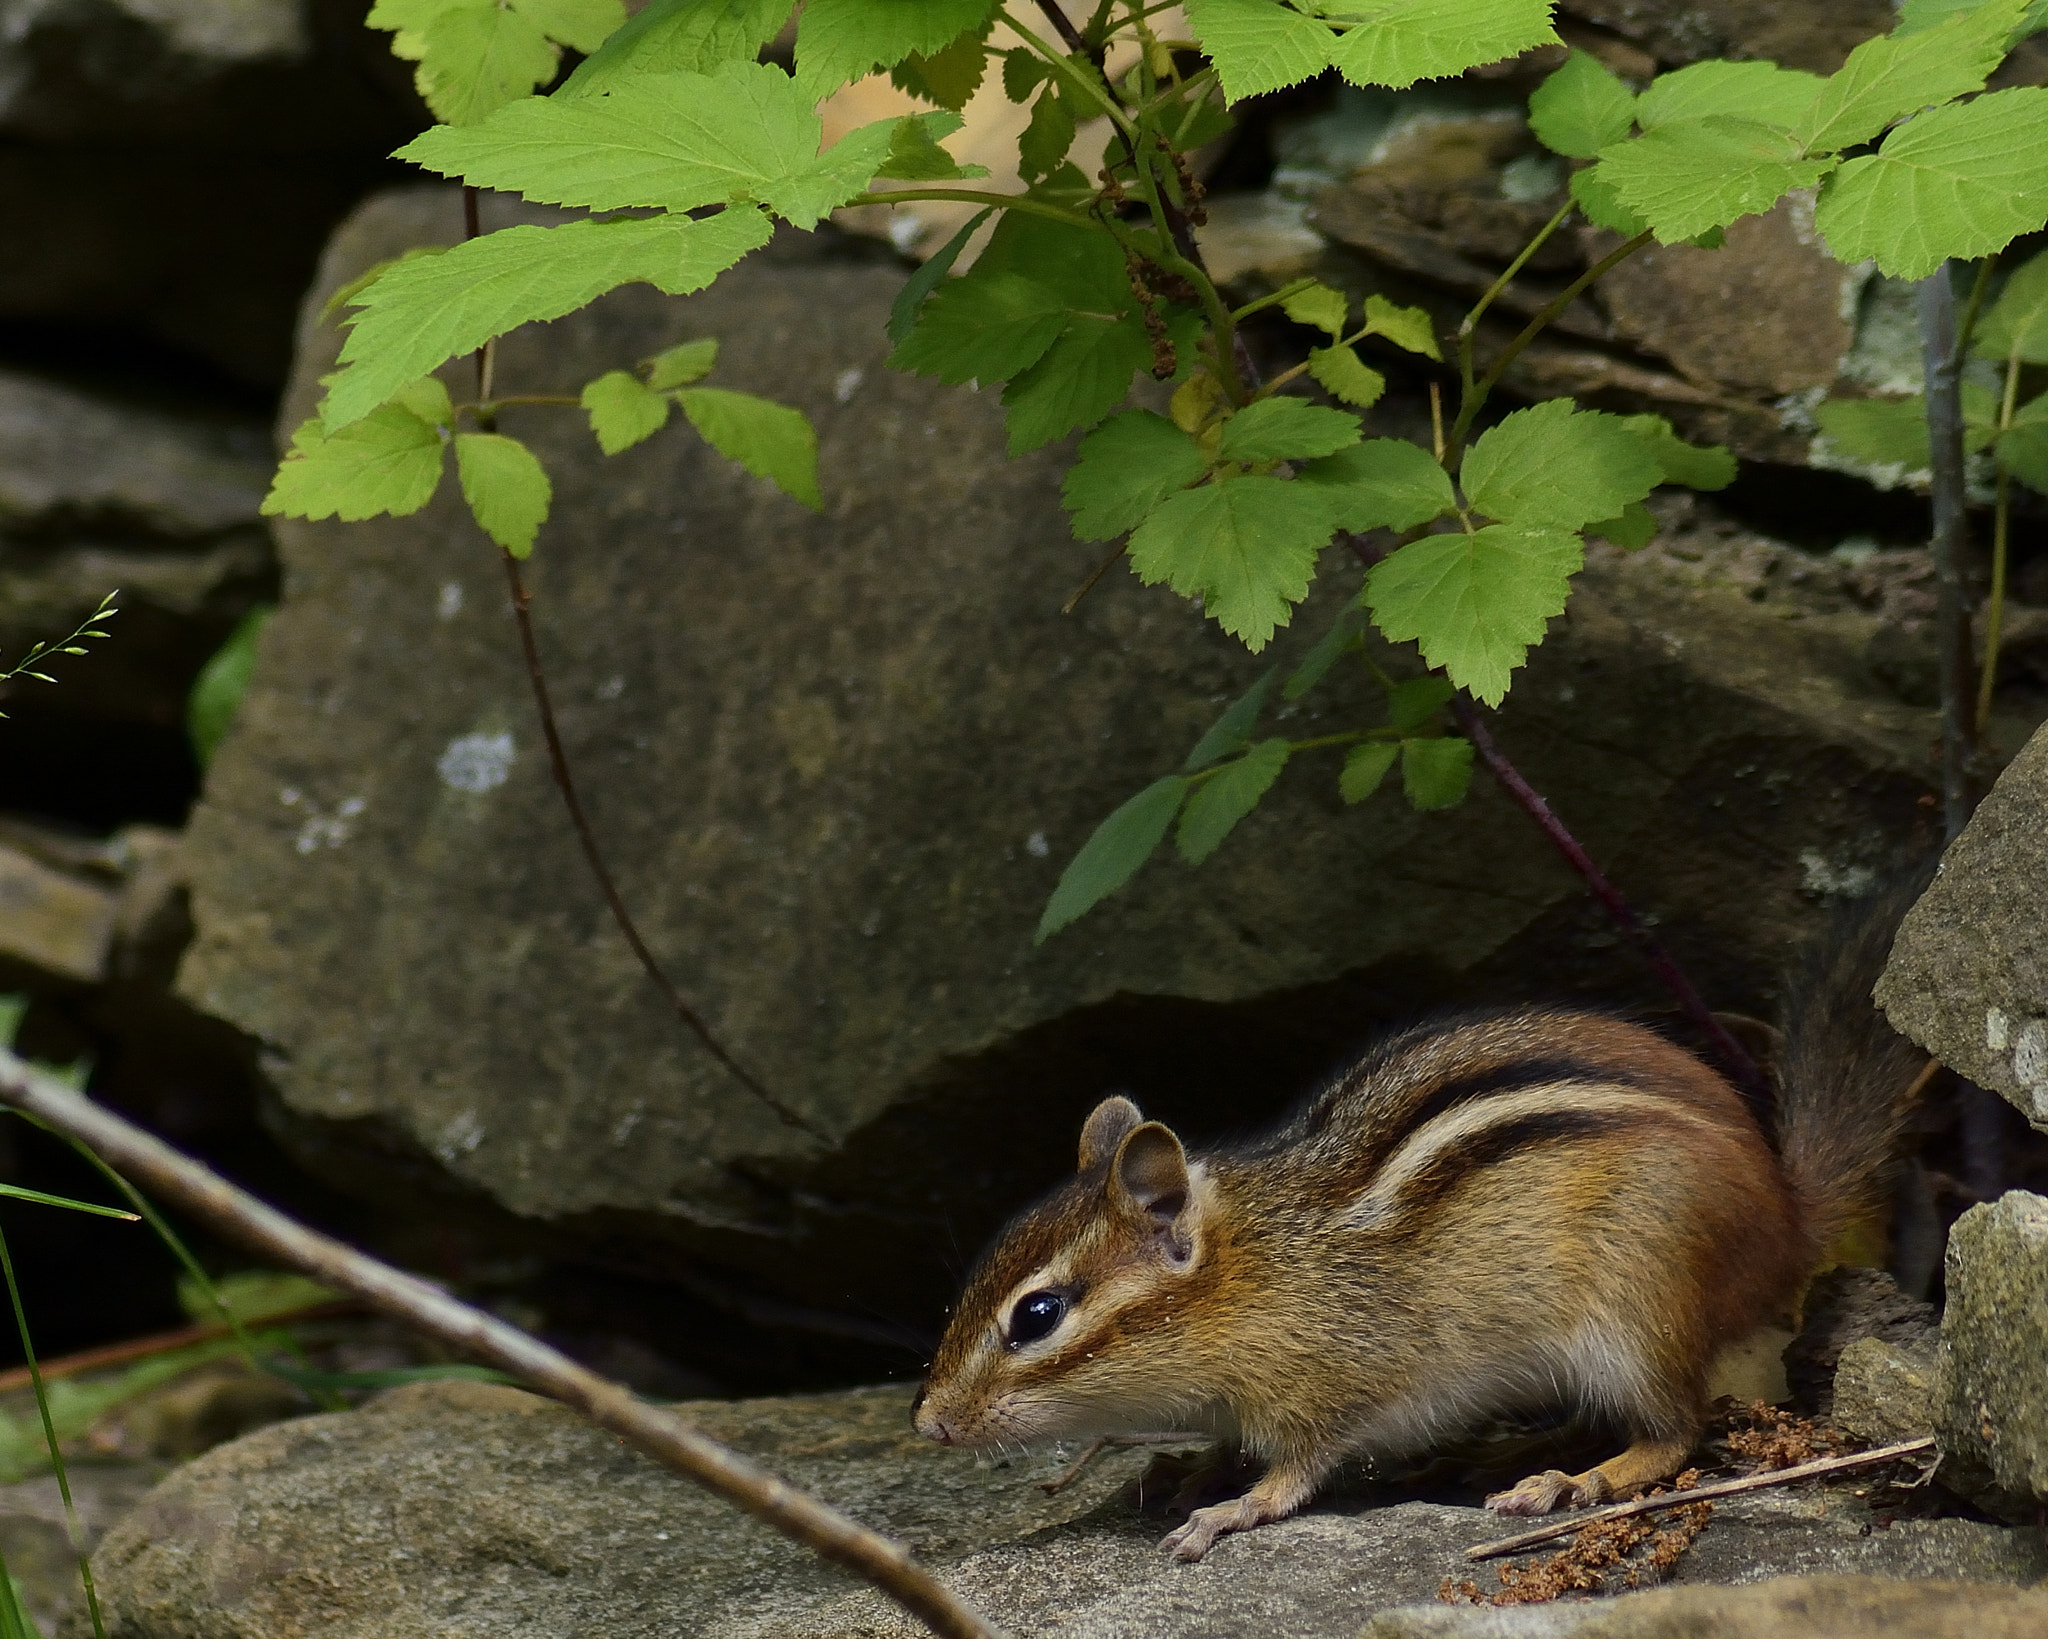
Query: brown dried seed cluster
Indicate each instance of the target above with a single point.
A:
(1601, 1557)
(1780, 1439)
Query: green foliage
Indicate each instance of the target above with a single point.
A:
(1751, 91)
(388, 461)
(692, 36)
(1127, 467)
(682, 364)
(2023, 447)
(1384, 483)
(1435, 773)
(73, 642)
(1892, 76)
(1247, 547)
(1226, 797)
(2016, 324)
(1408, 327)
(623, 410)
(1231, 732)
(840, 40)
(1697, 466)
(1285, 429)
(770, 440)
(506, 487)
(217, 691)
(1263, 45)
(1344, 375)
(475, 56)
(1559, 467)
(1685, 179)
(1364, 767)
(1892, 432)
(1582, 108)
(1110, 857)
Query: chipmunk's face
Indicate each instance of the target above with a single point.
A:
(1070, 1325)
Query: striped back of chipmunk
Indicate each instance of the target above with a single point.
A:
(1404, 1128)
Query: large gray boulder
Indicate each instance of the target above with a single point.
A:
(456, 1508)
(1991, 1394)
(838, 763)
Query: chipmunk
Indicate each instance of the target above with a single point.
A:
(1539, 1206)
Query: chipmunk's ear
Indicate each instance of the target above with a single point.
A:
(1149, 1181)
(1104, 1130)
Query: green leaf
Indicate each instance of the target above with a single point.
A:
(1346, 376)
(1259, 46)
(1435, 773)
(2024, 445)
(1023, 72)
(1475, 603)
(506, 487)
(1415, 702)
(679, 141)
(1364, 767)
(1961, 181)
(987, 327)
(1633, 529)
(1226, 796)
(1247, 548)
(2018, 321)
(949, 76)
(915, 154)
(691, 36)
(1406, 327)
(841, 40)
(15, 1192)
(682, 364)
(1124, 469)
(1581, 108)
(1916, 15)
(903, 312)
(1558, 467)
(1047, 137)
(622, 411)
(217, 691)
(428, 399)
(1601, 205)
(581, 25)
(1084, 265)
(345, 294)
(1231, 732)
(421, 313)
(1110, 857)
(1286, 429)
(1384, 483)
(1077, 381)
(1891, 76)
(770, 440)
(1401, 41)
(1751, 91)
(1697, 466)
(1685, 179)
(1320, 306)
(1881, 431)
(477, 58)
(387, 461)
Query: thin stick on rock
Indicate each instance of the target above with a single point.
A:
(1701, 1493)
(178, 1180)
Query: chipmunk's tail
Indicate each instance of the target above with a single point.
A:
(1847, 1078)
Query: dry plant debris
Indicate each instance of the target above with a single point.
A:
(1774, 1439)
(1601, 1558)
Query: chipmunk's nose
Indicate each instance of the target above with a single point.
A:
(930, 1424)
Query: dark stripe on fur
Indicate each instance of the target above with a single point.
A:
(1503, 1141)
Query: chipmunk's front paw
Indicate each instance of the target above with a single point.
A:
(1193, 1540)
(1554, 1489)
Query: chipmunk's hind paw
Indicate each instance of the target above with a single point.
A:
(1551, 1490)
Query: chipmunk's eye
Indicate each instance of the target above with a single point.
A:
(1036, 1314)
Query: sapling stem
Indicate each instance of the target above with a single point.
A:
(1470, 322)
(2001, 528)
(1944, 393)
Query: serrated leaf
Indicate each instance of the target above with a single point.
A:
(346, 294)
(986, 327)
(506, 487)
(1697, 466)
(1410, 328)
(1332, 646)
(1893, 75)
(682, 364)
(678, 141)
(1633, 529)
(421, 313)
(1916, 15)
(1110, 857)
(1581, 108)
(1686, 179)
(1384, 483)
(217, 691)
(581, 25)
(1247, 548)
(1345, 375)
(1320, 306)
(1286, 429)
(1601, 205)
(1436, 773)
(1124, 469)
(770, 440)
(1475, 603)
(1047, 137)
(1962, 181)
(1415, 702)
(1023, 72)
(1364, 767)
(1258, 46)
(428, 399)
(476, 59)
(2023, 447)
(1077, 381)
(1557, 466)
(386, 461)
(1231, 732)
(1754, 91)
(2017, 323)
(909, 302)
(687, 36)
(622, 411)
(1397, 42)
(841, 40)
(949, 76)
(915, 155)
(1084, 265)
(1226, 796)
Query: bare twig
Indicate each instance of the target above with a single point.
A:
(1700, 1493)
(1099, 571)
(185, 1183)
(145, 1348)
(1944, 373)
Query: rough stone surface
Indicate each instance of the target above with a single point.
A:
(1815, 35)
(455, 1509)
(839, 763)
(1992, 1399)
(1844, 1306)
(1820, 1607)
(1884, 1392)
(1968, 976)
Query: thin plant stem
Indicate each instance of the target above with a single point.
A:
(1470, 322)
(2001, 528)
(1063, 26)
(35, 1376)
(558, 761)
(1979, 286)
(1943, 364)
(195, 1188)
(1095, 575)
(974, 196)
